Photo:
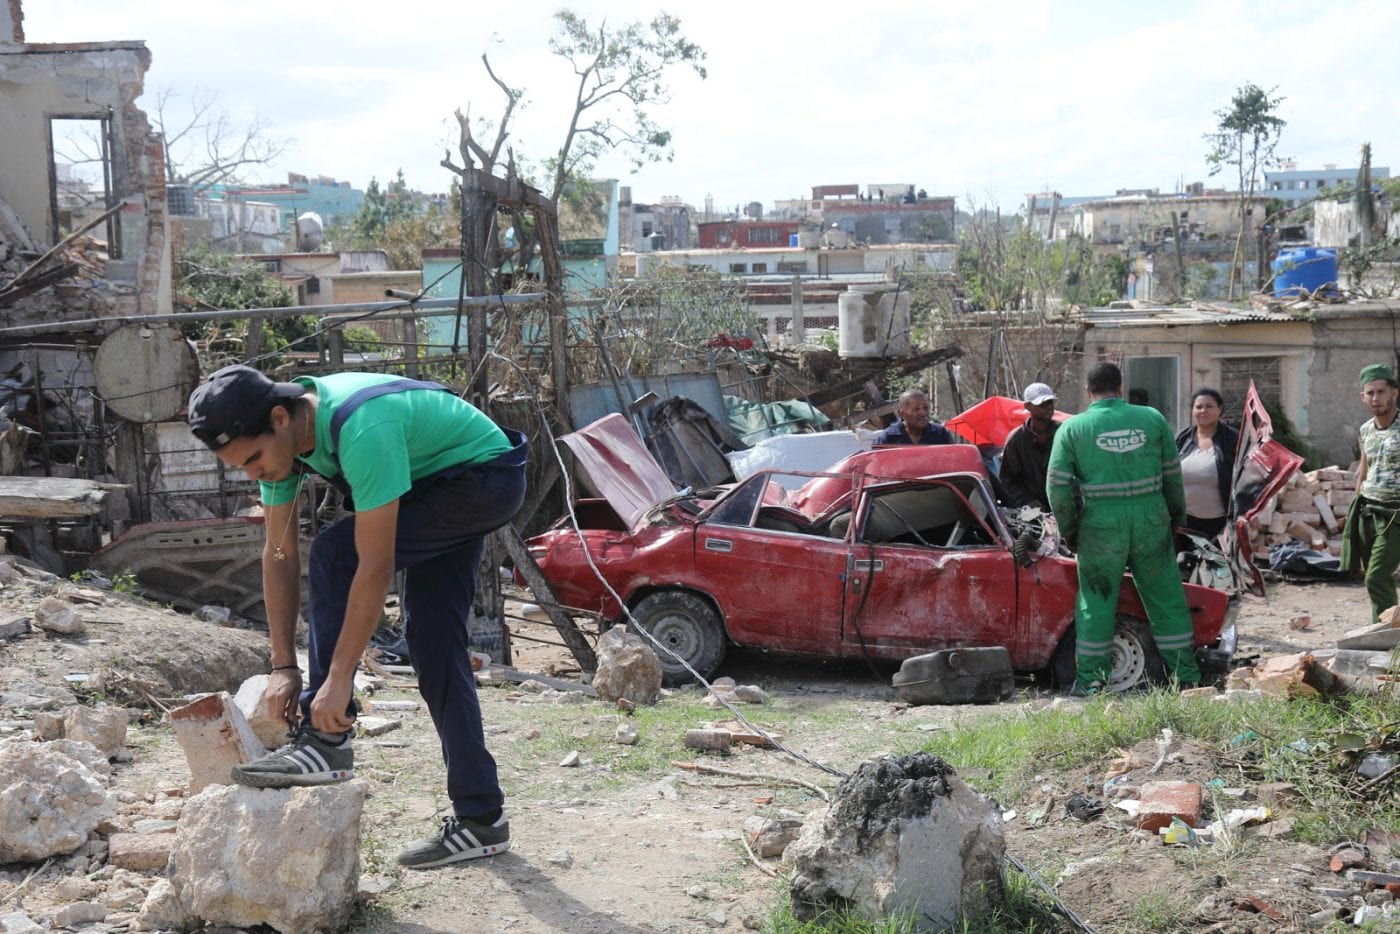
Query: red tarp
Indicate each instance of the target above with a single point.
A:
(991, 420)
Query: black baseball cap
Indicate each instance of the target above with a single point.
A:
(234, 402)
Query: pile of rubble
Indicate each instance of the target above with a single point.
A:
(1311, 509)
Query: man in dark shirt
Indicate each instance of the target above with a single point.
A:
(913, 425)
(1026, 454)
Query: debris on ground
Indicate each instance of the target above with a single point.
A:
(902, 834)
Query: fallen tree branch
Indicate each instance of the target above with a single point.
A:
(744, 839)
(767, 779)
(25, 884)
(1379, 779)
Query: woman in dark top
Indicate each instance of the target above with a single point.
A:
(1207, 451)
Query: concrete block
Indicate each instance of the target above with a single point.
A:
(140, 852)
(251, 699)
(1162, 801)
(286, 858)
(215, 737)
(1325, 511)
(104, 727)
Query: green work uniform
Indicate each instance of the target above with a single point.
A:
(1124, 462)
(1377, 519)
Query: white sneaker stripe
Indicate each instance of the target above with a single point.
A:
(466, 837)
(309, 760)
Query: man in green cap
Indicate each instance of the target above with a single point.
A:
(1372, 533)
(1123, 459)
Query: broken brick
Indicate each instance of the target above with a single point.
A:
(1346, 859)
(1255, 903)
(140, 852)
(1162, 801)
(215, 737)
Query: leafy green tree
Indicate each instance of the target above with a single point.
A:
(622, 73)
(1365, 199)
(1245, 136)
(400, 222)
(206, 280)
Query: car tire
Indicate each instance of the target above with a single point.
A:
(1136, 661)
(688, 625)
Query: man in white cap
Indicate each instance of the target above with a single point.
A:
(1026, 455)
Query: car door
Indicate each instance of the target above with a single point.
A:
(930, 570)
(776, 577)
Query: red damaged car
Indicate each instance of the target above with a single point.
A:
(891, 553)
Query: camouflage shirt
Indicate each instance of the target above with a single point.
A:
(1382, 449)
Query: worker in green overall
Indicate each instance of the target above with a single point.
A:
(1124, 462)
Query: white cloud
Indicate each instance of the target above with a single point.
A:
(999, 98)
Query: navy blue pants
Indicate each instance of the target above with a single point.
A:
(442, 528)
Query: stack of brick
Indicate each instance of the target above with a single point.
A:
(1311, 509)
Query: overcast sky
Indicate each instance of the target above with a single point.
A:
(986, 101)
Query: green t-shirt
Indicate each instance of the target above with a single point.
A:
(390, 441)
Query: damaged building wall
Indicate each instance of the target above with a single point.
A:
(90, 81)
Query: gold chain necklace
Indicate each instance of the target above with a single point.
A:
(277, 553)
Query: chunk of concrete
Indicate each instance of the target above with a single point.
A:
(86, 753)
(79, 913)
(770, 838)
(251, 699)
(287, 858)
(162, 910)
(902, 835)
(215, 737)
(104, 727)
(49, 802)
(17, 922)
(1381, 637)
(140, 852)
(627, 668)
(55, 615)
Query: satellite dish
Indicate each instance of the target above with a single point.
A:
(144, 373)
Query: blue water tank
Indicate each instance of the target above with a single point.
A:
(1307, 267)
(792, 240)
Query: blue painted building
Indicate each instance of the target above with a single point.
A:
(335, 201)
(1293, 184)
(589, 238)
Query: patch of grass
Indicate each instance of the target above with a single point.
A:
(1160, 911)
(1312, 744)
(1023, 908)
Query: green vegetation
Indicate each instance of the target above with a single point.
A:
(1313, 745)
(206, 280)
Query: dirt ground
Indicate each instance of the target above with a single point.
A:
(624, 841)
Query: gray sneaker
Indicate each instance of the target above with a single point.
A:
(311, 758)
(460, 838)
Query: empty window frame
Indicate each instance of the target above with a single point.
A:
(82, 175)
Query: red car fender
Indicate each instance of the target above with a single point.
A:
(1209, 609)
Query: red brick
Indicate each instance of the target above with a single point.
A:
(140, 852)
(1161, 801)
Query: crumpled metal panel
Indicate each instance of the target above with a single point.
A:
(620, 467)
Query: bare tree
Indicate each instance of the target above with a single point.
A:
(204, 145)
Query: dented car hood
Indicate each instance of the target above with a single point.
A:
(620, 467)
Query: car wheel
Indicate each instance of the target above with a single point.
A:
(689, 626)
(1136, 661)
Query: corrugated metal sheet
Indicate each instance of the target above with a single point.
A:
(591, 401)
(1160, 315)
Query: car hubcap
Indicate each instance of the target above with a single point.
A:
(677, 633)
(1129, 662)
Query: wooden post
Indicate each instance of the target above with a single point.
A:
(549, 601)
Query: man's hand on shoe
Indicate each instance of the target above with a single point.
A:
(330, 705)
(283, 693)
